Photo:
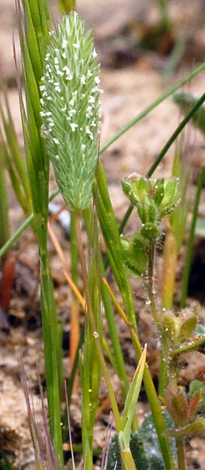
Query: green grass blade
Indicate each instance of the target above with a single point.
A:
(32, 92)
(163, 152)
(191, 239)
(75, 367)
(51, 335)
(32, 43)
(16, 235)
(131, 400)
(16, 182)
(112, 239)
(153, 105)
(186, 101)
(117, 350)
(31, 165)
(92, 372)
(4, 208)
(175, 134)
(38, 24)
(178, 218)
(33, 37)
(12, 144)
(21, 229)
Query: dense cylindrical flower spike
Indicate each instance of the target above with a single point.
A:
(70, 110)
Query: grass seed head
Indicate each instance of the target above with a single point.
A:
(70, 110)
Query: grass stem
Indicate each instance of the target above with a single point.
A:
(75, 329)
(93, 325)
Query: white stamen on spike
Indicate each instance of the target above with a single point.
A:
(82, 79)
(73, 126)
(69, 75)
(72, 112)
(91, 99)
(89, 112)
(64, 44)
(90, 134)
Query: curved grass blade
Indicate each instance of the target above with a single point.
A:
(191, 239)
(33, 34)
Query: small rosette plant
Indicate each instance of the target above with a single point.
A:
(70, 110)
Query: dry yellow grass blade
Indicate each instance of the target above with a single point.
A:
(65, 269)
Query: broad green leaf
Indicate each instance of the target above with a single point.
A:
(187, 329)
(144, 447)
